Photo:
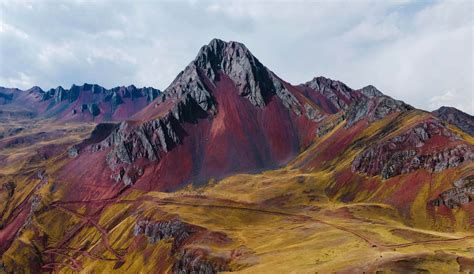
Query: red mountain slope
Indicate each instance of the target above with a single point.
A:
(225, 113)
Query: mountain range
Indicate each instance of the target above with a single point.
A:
(231, 168)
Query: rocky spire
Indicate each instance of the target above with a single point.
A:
(371, 91)
(252, 79)
(235, 60)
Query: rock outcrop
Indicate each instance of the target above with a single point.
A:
(189, 260)
(456, 117)
(174, 230)
(402, 154)
(371, 91)
(373, 109)
(198, 261)
(253, 80)
(146, 140)
(73, 151)
(461, 194)
(188, 83)
(340, 95)
(129, 142)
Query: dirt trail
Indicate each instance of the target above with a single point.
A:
(303, 216)
(61, 248)
(15, 221)
(102, 231)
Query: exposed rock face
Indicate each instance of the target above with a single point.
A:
(174, 230)
(235, 60)
(456, 117)
(99, 134)
(371, 91)
(148, 140)
(73, 152)
(93, 109)
(401, 154)
(355, 104)
(461, 194)
(116, 94)
(192, 260)
(127, 174)
(198, 261)
(337, 92)
(252, 79)
(376, 108)
(188, 83)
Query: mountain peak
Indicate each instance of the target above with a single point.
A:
(371, 91)
(325, 85)
(35, 89)
(234, 61)
(219, 43)
(217, 50)
(457, 117)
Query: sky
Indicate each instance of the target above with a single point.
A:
(420, 52)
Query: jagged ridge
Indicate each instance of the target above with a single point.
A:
(456, 117)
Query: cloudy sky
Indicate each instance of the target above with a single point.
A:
(420, 51)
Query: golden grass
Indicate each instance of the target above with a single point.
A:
(284, 217)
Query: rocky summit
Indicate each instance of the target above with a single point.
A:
(456, 117)
(232, 169)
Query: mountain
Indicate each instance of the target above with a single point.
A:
(231, 168)
(456, 117)
(225, 113)
(79, 103)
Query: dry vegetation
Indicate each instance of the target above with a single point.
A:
(277, 221)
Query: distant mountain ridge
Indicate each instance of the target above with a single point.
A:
(88, 102)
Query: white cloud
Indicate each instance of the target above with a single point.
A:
(21, 80)
(52, 54)
(411, 50)
(453, 99)
(11, 30)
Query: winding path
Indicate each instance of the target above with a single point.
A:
(75, 265)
